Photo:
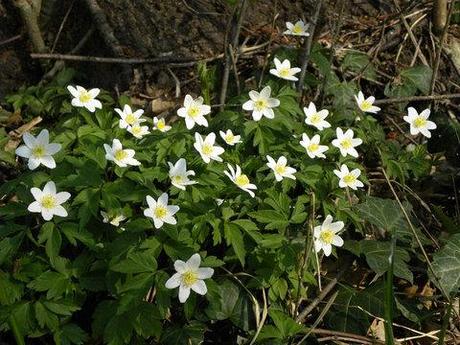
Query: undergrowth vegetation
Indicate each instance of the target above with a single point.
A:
(223, 226)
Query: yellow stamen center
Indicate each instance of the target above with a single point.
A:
(189, 278)
(130, 119)
(327, 236)
(38, 151)
(120, 155)
(297, 29)
(85, 97)
(284, 72)
(229, 138)
(207, 149)
(280, 169)
(348, 179)
(160, 212)
(346, 144)
(161, 124)
(242, 180)
(419, 122)
(177, 179)
(366, 105)
(261, 104)
(315, 118)
(48, 201)
(136, 130)
(193, 111)
(313, 147)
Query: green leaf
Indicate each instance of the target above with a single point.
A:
(10, 292)
(446, 265)
(136, 262)
(419, 76)
(45, 317)
(234, 237)
(53, 245)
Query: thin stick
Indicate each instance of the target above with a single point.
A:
(357, 337)
(267, 54)
(11, 39)
(62, 26)
(233, 57)
(307, 46)
(441, 42)
(235, 38)
(417, 98)
(303, 315)
(176, 81)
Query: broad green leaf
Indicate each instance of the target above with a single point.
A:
(136, 262)
(234, 237)
(446, 265)
(419, 76)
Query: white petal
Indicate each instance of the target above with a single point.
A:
(337, 241)
(205, 272)
(50, 188)
(184, 293)
(29, 140)
(194, 261)
(180, 266)
(60, 211)
(48, 161)
(327, 248)
(200, 287)
(35, 207)
(174, 281)
(23, 151)
(62, 197)
(53, 148)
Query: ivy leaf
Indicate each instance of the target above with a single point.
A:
(419, 76)
(446, 265)
(136, 262)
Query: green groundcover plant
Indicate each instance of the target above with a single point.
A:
(215, 225)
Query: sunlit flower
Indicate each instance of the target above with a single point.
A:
(128, 117)
(419, 123)
(316, 118)
(85, 98)
(241, 180)
(189, 276)
(137, 130)
(297, 29)
(193, 111)
(207, 149)
(348, 178)
(120, 157)
(283, 70)
(115, 220)
(160, 124)
(366, 105)
(179, 175)
(261, 104)
(48, 202)
(230, 138)
(160, 211)
(346, 143)
(314, 149)
(280, 169)
(326, 235)
(38, 150)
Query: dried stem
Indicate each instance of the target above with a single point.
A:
(30, 11)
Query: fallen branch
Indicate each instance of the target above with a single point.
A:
(336, 335)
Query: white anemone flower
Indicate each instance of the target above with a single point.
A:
(115, 221)
(85, 98)
(366, 104)
(179, 175)
(38, 150)
(120, 157)
(280, 169)
(138, 131)
(194, 111)
(346, 143)
(419, 123)
(128, 117)
(48, 201)
(261, 104)
(314, 149)
(348, 178)
(160, 124)
(207, 149)
(316, 118)
(230, 138)
(297, 29)
(241, 180)
(189, 276)
(326, 235)
(283, 70)
(160, 211)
